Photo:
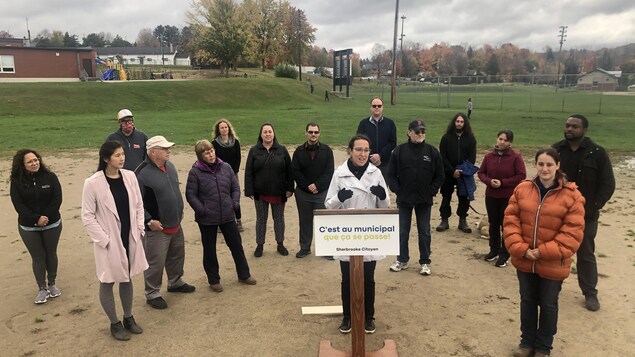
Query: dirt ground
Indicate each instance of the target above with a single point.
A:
(467, 307)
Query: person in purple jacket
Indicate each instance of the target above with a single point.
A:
(213, 192)
(501, 171)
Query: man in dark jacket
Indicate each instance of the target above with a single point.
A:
(163, 204)
(132, 139)
(382, 133)
(588, 165)
(457, 145)
(312, 165)
(415, 174)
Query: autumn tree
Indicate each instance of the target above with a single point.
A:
(146, 38)
(5, 34)
(264, 19)
(221, 30)
(297, 35)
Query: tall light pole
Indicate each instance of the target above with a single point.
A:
(403, 17)
(393, 85)
(299, 46)
(562, 35)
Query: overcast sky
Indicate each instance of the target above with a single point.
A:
(359, 24)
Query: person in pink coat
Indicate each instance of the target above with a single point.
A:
(113, 216)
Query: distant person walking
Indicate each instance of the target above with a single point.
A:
(470, 105)
(227, 148)
(36, 195)
(326, 96)
(132, 139)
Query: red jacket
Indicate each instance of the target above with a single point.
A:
(555, 226)
(504, 165)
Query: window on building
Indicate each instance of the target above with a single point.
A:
(149, 59)
(6, 64)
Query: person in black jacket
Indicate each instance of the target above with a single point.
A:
(36, 194)
(382, 133)
(132, 139)
(269, 181)
(588, 165)
(227, 148)
(415, 174)
(457, 146)
(313, 167)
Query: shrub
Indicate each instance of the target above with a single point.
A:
(285, 70)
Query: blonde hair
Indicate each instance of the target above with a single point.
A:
(201, 146)
(216, 132)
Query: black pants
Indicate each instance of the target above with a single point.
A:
(369, 288)
(233, 241)
(495, 214)
(447, 189)
(586, 264)
(42, 246)
(306, 203)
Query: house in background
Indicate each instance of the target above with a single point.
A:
(21, 64)
(146, 56)
(600, 80)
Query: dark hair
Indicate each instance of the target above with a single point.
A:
(105, 152)
(312, 124)
(19, 174)
(585, 121)
(357, 137)
(260, 132)
(508, 133)
(467, 128)
(216, 132)
(556, 157)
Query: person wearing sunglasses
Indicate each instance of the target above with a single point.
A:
(312, 165)
(132, 139)
(382, 133)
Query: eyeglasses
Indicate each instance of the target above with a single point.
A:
(376, 106)
(310, 132)
(127, 122)
(419, 132)
(360, 150)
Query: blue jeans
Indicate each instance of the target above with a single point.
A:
(422, 214)
(538, 326)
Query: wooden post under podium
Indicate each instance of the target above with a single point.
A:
(358, 333)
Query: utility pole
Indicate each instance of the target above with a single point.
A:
(562, 35)
(393, 85)
(299, 46)
(403, 17)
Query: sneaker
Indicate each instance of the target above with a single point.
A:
(54, 291)
(398, 266)
(158, 303)
(369, 326)
(345, 327)
(131, 325)
(491, 256)
(501, 262)
(185, 288)
(249, 281)
(444, 225)
(258, 251)
(425, 269)
(303, 253)
(282, 250)
(42, 296)
(119, 332)
(591, 302)
(523, 352)
(216, 287)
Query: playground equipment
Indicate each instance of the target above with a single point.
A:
(115, 71)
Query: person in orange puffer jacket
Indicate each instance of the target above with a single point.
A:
(543, 228)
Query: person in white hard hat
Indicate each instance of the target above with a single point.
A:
(132, 139)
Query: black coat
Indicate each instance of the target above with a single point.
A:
(268, 172)
(415, 173)
(319, 170)
(456, 149)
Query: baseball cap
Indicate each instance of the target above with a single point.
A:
(124, 113)
(158, 142)
(416, 124)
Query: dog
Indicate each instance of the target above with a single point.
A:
(483, 227)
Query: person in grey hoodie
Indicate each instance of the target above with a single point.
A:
(163, 204)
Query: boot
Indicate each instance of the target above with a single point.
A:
(240, 225)
(444, 225)
(464, 226)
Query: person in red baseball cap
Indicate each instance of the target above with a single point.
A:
(132, 139)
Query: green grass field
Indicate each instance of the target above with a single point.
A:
(80, 115)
